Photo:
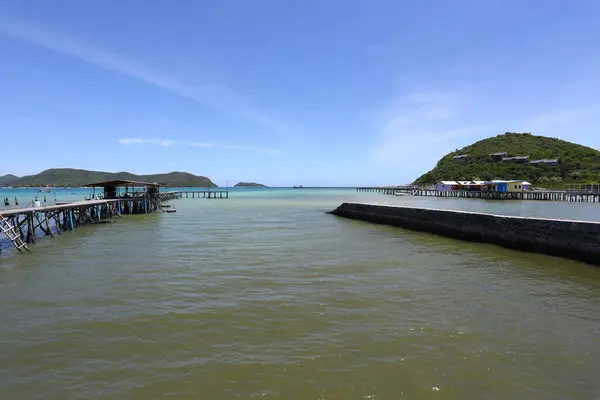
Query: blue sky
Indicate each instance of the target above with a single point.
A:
(313, 92)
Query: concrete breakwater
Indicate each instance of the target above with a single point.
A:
(576, 240)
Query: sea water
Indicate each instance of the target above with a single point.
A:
(263, 295)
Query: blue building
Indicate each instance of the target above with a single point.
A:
(496, 186)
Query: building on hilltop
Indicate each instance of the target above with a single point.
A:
(550, 162)
(516, 159)
(461, 157)
(499, 156)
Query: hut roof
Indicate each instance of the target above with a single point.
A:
(470, 183)
(121, 182)
(515, 158)
(544, 161)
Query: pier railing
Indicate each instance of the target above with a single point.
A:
(525, 195)
(23, 225)
(579, 193)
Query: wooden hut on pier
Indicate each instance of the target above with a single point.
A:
(113, 189)
(129, 190)
(23, 225)
(447, 186)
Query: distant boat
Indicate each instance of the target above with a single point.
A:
(44, 190)
(299, 187)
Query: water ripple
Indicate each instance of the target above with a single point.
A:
(274, 299)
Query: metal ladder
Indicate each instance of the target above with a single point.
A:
(12, 234)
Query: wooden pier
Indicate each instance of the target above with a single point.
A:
(575, 196)
(388, 189)
(206, 194)
(579, 197)
(120, 197)
(23, 225)
(28, 223)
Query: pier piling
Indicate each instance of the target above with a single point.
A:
(537, 195)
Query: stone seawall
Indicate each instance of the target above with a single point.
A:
(576, 240)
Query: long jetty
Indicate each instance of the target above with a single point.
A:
(546, 195)
(23, 225)
(206, 194)
(576, 240)
(578, 196)
(388, 189)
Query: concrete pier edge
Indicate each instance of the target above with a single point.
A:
(575, 240)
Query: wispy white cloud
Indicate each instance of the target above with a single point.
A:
(202, 144)
(418, 126)
(163, 142)
(424, 106)
(160, 142)
(577, 123)
(215, 96)
(547, 121)
(459, 133)
(267, 151)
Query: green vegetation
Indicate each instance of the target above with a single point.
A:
(8, 180)
(79, 177)
(249, 185)
(576, 163)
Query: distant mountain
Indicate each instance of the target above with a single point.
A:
(249, 185)
(8, 180)
(564, 162)
(79, 177)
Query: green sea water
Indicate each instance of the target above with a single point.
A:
(264, 296)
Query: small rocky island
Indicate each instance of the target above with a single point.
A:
(249, 185)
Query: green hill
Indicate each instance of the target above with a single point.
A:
(8, 180)
(576, 163)
(249, 185)
(80, 177)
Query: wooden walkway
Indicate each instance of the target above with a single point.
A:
(206, 194)
(539, 195)
(24, 225)
(579, 197)
(388, 189)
